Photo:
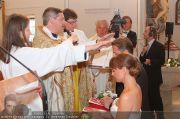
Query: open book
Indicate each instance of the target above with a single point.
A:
(95, 105)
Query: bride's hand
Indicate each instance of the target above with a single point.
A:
(106, 101)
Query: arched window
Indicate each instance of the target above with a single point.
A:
(32, 24)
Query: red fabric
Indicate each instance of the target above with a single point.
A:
(95, 104)
(98, 107)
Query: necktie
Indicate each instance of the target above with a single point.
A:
(54, 35)
(148, 47)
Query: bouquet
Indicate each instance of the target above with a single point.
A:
(107, 93)
(95, 104)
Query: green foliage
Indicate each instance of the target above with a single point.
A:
(106, 93)
(101, 95)
(172, 63)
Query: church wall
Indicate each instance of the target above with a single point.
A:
(31, 7)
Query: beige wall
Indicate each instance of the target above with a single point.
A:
(88, 15)
(31, 7)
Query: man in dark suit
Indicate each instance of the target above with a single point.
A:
(153, 57)
(124, 45)
(127, 32)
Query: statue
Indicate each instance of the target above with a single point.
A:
(157, 11)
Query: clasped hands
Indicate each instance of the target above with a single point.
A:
(107, 101)
(147, 61)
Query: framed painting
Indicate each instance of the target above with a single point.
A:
(177, 12)
(0, 4)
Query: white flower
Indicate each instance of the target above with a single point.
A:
(169, 60)
(107, 93)
(168, 65)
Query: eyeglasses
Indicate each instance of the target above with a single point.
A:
(72, 21)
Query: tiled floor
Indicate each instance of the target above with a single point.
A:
(171, 102)
(176, 96)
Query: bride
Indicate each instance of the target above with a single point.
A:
(125, 69)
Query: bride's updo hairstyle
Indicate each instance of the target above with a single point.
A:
(128, 61)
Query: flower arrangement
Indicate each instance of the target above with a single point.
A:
(106, 93)
(95, 104)
(172, 63)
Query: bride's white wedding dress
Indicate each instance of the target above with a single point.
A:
(114, 108)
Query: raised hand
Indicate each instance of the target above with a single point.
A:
(74, 38)
(107, 37)
(102, 43)
(106, 101)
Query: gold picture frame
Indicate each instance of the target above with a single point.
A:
(0, 4)
(177, 18)
(2, 10)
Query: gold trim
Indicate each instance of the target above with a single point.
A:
(3, 13)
